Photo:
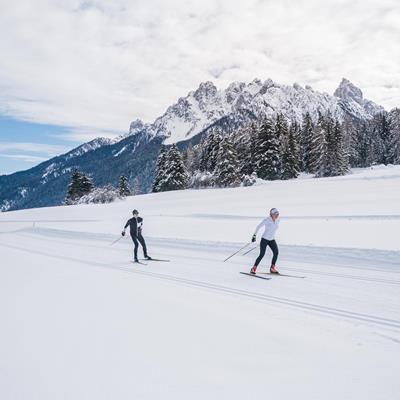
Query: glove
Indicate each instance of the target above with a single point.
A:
(253, 239)
(123, 233)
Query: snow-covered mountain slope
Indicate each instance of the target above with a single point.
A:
(230, 109)
(104, 160)
(79, 321)
(89, 146)
(248, 101)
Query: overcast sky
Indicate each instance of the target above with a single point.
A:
(91, 67)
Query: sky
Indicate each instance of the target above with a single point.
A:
(74, 70)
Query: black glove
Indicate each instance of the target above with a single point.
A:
(253, 239)
(123, 233)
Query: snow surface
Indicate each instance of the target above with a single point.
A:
(79, 321)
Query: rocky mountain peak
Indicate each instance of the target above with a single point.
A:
(206, 90)
(241, 103)
(136, 126)
(348, 91)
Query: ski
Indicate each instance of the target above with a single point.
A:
(156, 259)
(255, 276)
(279, 274)
(138, 262)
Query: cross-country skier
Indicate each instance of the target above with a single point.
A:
(270, 226)
(135, 225)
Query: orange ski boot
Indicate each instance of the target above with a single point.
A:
(273, 270)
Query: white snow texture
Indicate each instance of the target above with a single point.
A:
(80, 321)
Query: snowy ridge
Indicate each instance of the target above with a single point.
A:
(207, 105)
(89, 146)
(56, 168)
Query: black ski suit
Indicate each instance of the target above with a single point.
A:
(135, 225)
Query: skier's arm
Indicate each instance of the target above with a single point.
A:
(259, 226)
(126, 225)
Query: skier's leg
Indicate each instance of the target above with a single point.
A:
(275, 252)
(263, 247)
(143, 243)
(136, 243)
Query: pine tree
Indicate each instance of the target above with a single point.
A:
(281, 134)
(86, 185)
(394, 137)
(123, 187)
(159, 173)
(80, 185)
(306, 137)
(267, 152)
(381, 137)
(340, 157)
(244, 143)
(290, 154)
(319, 148)
(209, 154)
(187, 157)
(362, 147)
(226, 172)
(328, 155)
(175, 176)
(350, 130)
(203, 154)
(336, 160)
(73, 188)
(136, 187)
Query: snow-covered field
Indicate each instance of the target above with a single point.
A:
(79, 321)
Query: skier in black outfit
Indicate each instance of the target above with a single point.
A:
(135, 225)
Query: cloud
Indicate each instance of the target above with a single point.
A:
(94, 66)
(25, 157)
(45, 149)
(32, 153)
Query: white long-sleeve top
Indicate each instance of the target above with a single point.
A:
(270, 228)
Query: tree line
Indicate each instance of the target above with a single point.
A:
(82, 190)
(274, 149)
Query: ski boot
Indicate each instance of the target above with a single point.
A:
(273, 270)
(253, 270)
(147, 257)
(136, 260)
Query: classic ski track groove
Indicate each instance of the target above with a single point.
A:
(322, 310)
(320, 273)
(72, 235)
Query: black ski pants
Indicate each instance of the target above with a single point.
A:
(136, 240)
(263, 247)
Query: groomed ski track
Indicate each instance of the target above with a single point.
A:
(178, 250)
(80, 321)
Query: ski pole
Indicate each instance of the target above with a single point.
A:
(248, 251)
(115, 241)
(226, 259)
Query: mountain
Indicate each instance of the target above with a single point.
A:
(134, 154)
(45, 184)
(207, 105)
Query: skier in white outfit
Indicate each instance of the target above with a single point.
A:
(270, 225)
